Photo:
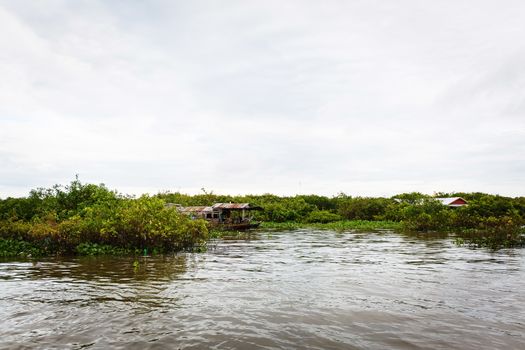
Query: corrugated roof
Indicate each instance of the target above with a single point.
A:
(196, 209)
(234, 206)
(450, 200)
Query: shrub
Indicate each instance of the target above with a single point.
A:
(322, 216)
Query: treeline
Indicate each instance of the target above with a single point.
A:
(415, 211)
(91, 219)
(487, 220)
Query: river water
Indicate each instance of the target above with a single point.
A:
(301, 289)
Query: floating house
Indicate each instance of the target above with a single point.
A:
(452, 202)
(197, 212)
(235, 216)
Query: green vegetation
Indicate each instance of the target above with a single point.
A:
(14, 247)
(343, 225)
(488, 220)
(92, 220)
(492, 240)
(94, 249)
(88, 219)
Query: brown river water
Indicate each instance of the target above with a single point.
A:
(301, 289)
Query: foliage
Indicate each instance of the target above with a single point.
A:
(360, 225)
(14, 247)
(320, 202)
(94, 249)
(342, 225)
(285, 209)
(493, 240)
(60, 220)
(362, 208)
(322, 216)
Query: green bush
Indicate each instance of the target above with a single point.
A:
(362, 208)
(94, 249)
(15, 247)
(64, 219)
(322, 216)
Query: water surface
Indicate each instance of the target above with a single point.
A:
(304, 289)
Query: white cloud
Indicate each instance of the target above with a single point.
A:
(366, 98)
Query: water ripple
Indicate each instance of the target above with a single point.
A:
(285, 290)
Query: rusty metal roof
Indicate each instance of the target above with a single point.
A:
(196, 209)
(450, 201)
(235, 206)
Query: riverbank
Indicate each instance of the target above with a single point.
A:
(474, 238)
(88, 219)
(10, 247)
(493, 240)
(18, 248)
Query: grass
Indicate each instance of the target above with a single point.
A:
(471, 238)
(18, 248)
(491, 240)
(94, 249)
(13, 247)
(362, 225)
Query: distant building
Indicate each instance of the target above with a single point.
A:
(449, 201)
(237, 216)
(201, 212)
(452, 201)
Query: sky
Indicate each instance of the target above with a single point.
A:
(369, 98)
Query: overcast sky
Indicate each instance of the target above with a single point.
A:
(364, 97)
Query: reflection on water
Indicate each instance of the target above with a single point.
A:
(101, 269)
(301, 289)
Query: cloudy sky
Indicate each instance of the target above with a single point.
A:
(365, 97)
